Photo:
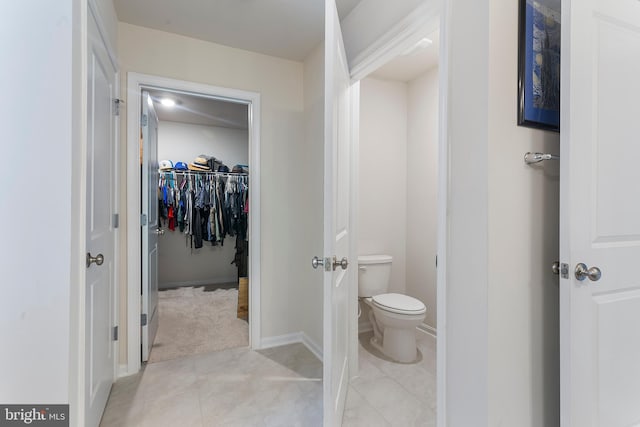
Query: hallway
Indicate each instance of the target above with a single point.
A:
(236, 387)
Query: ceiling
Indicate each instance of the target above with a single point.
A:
(407, 67)
(255, 25)
(200, 110)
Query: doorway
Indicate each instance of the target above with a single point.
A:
(399, 114)
(196, 177)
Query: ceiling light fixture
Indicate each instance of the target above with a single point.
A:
(168, 102)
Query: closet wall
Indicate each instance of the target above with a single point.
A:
(178, 263)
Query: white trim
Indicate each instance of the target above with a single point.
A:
(123, 370)
(280, 340)
(443, 224)
(293, 338)
(135, 81)
(428, 329)
(77, 317)
(364, 326)
(416, 25)
(312, 346)
(197, 283)
(354, 327)
(95, 10)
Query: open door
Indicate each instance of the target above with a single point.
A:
(100, 348)
(338, 248)
(150, 226)
(600, 213)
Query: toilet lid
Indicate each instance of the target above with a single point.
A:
(399, 303)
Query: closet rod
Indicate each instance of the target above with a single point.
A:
(200, 173)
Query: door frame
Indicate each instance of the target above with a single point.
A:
(398, 39)
(135, 83)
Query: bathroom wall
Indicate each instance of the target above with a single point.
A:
(422, 191)
(178, 263)
(502, 342)
(383, 174)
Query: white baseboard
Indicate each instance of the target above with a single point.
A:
(364, 326)
(278, 340)
(197, 283)
(293, 338)
(123, 370)
(429, 330)
(312, 346)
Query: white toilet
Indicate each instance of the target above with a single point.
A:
(394, 317)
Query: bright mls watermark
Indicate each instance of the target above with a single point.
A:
(34, 415)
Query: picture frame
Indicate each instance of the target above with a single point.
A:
(539, 64)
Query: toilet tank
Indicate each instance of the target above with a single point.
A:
(374, 272)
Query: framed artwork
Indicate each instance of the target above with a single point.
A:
(539, 64)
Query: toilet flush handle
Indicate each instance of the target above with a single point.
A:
(362, 268)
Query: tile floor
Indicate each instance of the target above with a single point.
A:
(274, 387)
(392, 394)
(281, 386)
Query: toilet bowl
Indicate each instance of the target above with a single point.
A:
(394, 317)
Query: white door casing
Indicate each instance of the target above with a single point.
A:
(150, 226)
(338, 188)
(100, 356)
(600, 213)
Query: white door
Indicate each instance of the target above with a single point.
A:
(600, 213)
(100, 357)
(150, 226)
(337, 207)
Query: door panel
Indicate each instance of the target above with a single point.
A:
(600, 211)
(100, 279)
(150, 230)
(337, 208)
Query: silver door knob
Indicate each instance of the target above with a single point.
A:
(344, 263)
(315, 262)
(555, 267)
(582, 272)
(98, 259)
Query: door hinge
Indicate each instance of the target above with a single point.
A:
(116, 106)
(143, 219)
(116, 220)
(144, 120)
(115, 333)
(143, 319)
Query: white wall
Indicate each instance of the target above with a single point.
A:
(502, 357)
(523, 243)
(178, 263)
(310, 292)
(35, 257)
(422, 191)
(182, 142)
(280, 83)
(466, 289)
(382, 204)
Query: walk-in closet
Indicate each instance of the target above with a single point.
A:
(203, 216)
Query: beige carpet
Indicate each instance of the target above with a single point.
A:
(196, 320)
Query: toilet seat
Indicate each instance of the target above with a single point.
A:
(399, 303)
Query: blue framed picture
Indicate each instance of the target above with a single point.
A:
(539, 64)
